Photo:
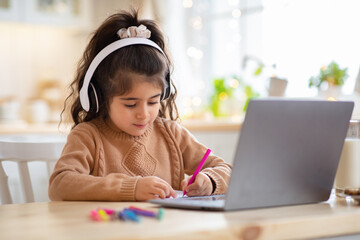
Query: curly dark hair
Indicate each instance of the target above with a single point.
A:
(111, 76)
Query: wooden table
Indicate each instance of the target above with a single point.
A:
(70, 220)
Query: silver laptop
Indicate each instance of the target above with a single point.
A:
(287, 154)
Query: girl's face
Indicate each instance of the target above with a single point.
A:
(135, 111)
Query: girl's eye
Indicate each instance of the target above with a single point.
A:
(130, 105)
(134, 105)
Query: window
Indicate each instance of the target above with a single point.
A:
(293, 39)
(300, 36)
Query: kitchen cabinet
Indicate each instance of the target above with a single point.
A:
(10, 10)
(69, 13)
(221, 136)
(221, 143)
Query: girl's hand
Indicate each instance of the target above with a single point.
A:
(202, 186)
(153, 188)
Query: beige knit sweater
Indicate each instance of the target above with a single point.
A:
(101, 163)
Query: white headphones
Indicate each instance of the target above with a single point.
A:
(84, 91)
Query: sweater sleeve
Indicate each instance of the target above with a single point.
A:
(192, 152)
(72, 178)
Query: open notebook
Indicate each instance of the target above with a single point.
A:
(287, 153)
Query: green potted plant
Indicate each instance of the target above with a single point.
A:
(229, 96)
(220, 94)
(330, 75)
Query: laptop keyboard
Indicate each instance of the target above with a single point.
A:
(213, 202)
(205, 198)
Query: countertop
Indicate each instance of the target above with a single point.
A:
(53, 128)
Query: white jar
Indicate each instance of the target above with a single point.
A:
(38, 111)
(10, 111)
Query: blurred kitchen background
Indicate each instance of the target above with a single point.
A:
(225, 52)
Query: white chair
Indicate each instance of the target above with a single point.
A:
(23, 149)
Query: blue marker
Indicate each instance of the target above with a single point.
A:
(130, 215)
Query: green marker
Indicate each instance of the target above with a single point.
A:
(160, 215)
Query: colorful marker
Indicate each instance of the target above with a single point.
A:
(131, 215)
(192, 179)
(95, 215)
(160, 214)
(142, 212)
(127, 214)
(103, 215)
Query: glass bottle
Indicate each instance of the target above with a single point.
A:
(347, 180)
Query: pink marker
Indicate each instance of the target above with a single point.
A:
(95, 215)
(192, 179)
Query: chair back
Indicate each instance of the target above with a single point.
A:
(23, 149)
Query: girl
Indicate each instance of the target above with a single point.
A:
(125, 144)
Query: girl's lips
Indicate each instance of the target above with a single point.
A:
(140, 125)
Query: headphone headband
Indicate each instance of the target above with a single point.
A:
(84, 98)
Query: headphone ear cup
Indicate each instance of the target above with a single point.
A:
(94, 98)
(167, 89)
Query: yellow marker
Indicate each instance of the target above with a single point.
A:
(103, 215)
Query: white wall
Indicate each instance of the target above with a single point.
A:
(34, 53)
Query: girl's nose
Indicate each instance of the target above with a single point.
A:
(141, 113)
